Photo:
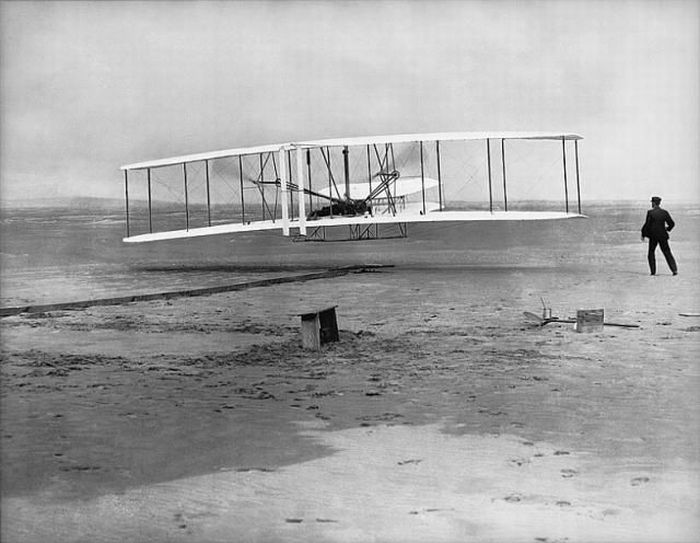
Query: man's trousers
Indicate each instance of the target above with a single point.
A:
(665, 249)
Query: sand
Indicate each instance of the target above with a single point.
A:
(441, 415)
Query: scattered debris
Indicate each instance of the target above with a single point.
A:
(549, 318)
(542, 321)
(589, 320)
(623, 325)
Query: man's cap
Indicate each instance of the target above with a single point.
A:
(656, 199)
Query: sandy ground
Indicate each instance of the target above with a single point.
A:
(441, 415)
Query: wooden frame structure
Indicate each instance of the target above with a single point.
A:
(292, 172)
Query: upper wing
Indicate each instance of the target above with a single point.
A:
(269, 187)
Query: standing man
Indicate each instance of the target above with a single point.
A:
(657, 226)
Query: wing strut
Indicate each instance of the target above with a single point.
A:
(578, 184)
(291, 181)
(240, 178)
(488, 159)
(150, 216)
(283, 182)
(566, 185)
(308, 173)
(439, 173)
(300, 177)
(277, 185)
(187, 207)
(126, 195)
(346, 169)
(422, 175)
(261, 177)
(206, 170)
(503, 164)
(369, 169)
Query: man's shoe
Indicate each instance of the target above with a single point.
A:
(675, 273)
(652, 273)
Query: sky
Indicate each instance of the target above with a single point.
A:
(86, 87)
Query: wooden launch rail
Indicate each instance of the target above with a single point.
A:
(333, 272)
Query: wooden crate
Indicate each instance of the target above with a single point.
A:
(318, 327)
(590, 320)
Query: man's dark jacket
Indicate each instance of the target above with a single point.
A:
(655, 225)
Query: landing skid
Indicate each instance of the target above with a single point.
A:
(356, 232)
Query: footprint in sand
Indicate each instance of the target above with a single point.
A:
(411, 461)
(80, 469)
(567, 473)
(513, 498)
(180, 520)
(429, 510)
(492, 412)
(610, 511)
(639, 481)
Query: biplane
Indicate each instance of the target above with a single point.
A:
(363, 184)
